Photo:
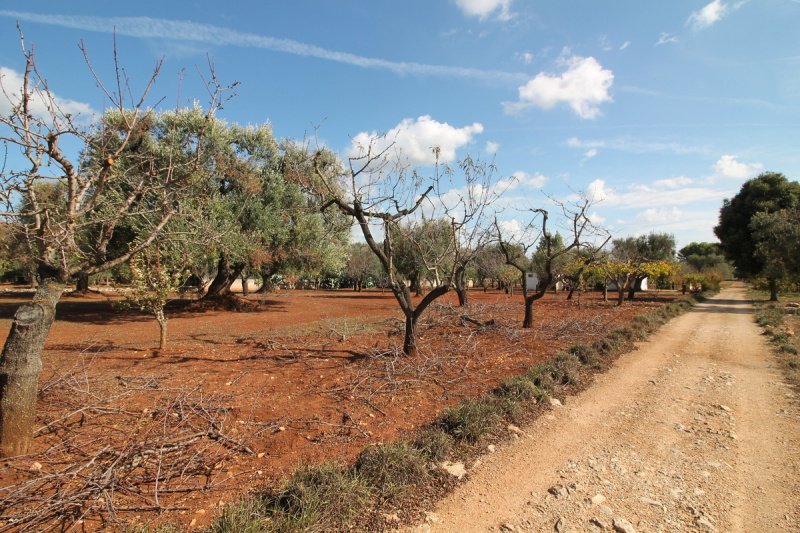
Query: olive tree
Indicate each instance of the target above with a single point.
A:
(132, 166)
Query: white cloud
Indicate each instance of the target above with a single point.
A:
(708, 15)
(512, 230)
(666, 38)
(729, 167)
(625, 45)
(11, 82)
(530, 181)
(525, 57)
(596, 191)
(674, 183)
(583, 86)
(521, 179)
(596, 218)
(483, 8)
(590, 153)
(176, 30)
(492, 147)
(660, 215)
(415, 139)
(654, 195)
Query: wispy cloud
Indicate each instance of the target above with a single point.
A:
(708, 15)
(178, 30)
(666, 38)
(634, 146)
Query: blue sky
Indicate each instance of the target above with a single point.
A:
(658, 110)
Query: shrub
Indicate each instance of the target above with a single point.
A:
(585, 354)
(434, 443)
(519, 388)
(470, 420)
(543, 376)
(605, 346)
(392, 470)
(319, 498)
(568, 367)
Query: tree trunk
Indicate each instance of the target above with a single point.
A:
(571, 292)
(245, 285)
(620, 295)
(82, 284)
(162, 325)
(227, 273)
(527, 322)
(20, 365)
(416, 284)
(461, 288)
(632, 291)
(773, 290)
(410, 340)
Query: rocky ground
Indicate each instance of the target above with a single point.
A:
(694, 431)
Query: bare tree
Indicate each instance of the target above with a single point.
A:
(379, 188)
(537, 233)
(71, 202)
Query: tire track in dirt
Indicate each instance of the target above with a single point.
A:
(694, 431)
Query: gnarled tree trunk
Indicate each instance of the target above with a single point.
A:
(20, 366)
(773, 290)
(227, 273)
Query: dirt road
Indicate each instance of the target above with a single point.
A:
(695, 431)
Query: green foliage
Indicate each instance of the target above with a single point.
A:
(777, 243)
(770, 192)
(470, 420)
(392, 470)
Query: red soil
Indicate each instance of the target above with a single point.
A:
(313, 376)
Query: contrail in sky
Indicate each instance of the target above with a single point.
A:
(147, 27)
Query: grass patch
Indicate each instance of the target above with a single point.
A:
(326, 497)
(435, 443)
(569, 367)
(470, 420)
(519, 388)
(392, 470)
(245, 516)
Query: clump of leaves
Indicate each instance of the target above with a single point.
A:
(392, 470)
